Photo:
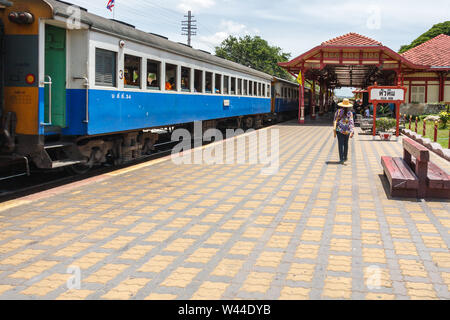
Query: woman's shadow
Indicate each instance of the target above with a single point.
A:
(333, 163)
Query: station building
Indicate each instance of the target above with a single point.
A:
(353, 60)
(432, 84)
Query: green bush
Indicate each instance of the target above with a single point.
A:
(444, 117)
(386, 124)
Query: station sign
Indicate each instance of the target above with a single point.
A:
(394, 94)
(387, 94)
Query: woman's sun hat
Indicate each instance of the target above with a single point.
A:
(345, 104)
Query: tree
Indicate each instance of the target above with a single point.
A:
(255, 53)
(436, 30)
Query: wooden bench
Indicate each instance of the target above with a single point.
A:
(415, 175)
(402, 180)
(437, 182)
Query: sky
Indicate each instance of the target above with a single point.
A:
(294, 26)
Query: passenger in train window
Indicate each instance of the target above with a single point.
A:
(198, 81)
(185, 79)
(218, 83)
(171, 75)
(132, 72)
(171, 85)
(208, 82)
(184, 84)
(153, 71)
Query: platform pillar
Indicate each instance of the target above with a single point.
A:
(322, 99)
(313, 100)
(301, 101)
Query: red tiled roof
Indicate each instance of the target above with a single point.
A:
(352, 39)
(435, 52)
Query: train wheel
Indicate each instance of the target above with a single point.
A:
(79, 169)
(249, 123)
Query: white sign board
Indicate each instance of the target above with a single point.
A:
(387, 94)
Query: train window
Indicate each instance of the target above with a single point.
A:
(153, 74)
(198, 81)
(255, 92)
(263, 93)
(185, 79)
(239, 87)
(218, 84)
(208, 82)
(171, 77)
(268, 90)
(226, 84)
(250, 88)
(105, 68)
(259, 90)
(245, 88)
(233, 86)
(132, 71)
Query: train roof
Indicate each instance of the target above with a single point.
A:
(285, 81)
(129, 32)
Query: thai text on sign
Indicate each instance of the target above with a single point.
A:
(384, 94)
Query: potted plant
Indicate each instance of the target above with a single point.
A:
(384, 127)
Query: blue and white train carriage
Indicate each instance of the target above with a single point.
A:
(84, 91)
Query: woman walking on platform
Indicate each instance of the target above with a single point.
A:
(343, 128)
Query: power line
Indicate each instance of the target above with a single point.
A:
(189, 27)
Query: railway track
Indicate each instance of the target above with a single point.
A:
(44, 180)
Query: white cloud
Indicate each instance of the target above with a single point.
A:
(195, 5)
(227, 28)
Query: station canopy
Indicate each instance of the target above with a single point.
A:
(351, 60)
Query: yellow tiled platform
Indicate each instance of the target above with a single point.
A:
(314, 230)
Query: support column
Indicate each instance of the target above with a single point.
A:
(397, 112)
(441, 86)
(301, 100)
(375, 106)
(322, 107)
(313, 100)
(327, 98)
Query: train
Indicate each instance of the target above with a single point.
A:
(79, 90)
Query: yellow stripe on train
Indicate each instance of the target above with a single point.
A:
(24, 102)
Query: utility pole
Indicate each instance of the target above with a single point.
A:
(189, 27)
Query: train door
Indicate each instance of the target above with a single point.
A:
(55, 73)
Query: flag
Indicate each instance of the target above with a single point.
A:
(300, 78)
(110, 5)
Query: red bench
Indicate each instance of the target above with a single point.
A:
(415, 175)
